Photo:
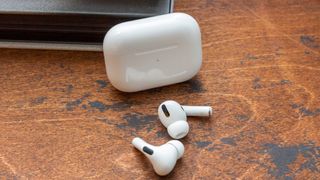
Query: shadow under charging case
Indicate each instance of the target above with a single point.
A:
(153, 52)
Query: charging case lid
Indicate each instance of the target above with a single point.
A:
(153, 52)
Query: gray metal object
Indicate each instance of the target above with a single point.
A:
(141, 7)
(69, 24)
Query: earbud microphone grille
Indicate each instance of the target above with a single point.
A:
(165, 110)
(147, 150)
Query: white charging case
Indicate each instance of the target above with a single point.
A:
(153, 52)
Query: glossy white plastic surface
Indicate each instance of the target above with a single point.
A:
(174, 117)
(164, 157)
(200, 111)
(153, 52)
(175, 120)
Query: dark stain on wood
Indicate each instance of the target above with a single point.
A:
(73, 104)
(120, 106)
(284, 156)
(256, 84)
(98, 105)
(139, 121)
(202, 144)
(195, 86)
(162, 133)
(280, 83)
(102, 83)
(38, 100)
(309, 41)
(84, 106)
(305, 111)
(228, 140)
(9, 176)
(285, 81)
(216, 147)
(69, 88)
(308, 112)
(242, 117)
(250, 57)
(295, 106)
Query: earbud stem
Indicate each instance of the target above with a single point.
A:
(204, 111)
(139, 143)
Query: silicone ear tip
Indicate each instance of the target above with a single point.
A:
(178, 129)
(179, 146)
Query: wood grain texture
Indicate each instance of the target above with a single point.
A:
(61, 119)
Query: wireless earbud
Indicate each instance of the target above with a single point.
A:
(163, 158)
(174, 117)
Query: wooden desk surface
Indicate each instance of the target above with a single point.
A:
(60, 118)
